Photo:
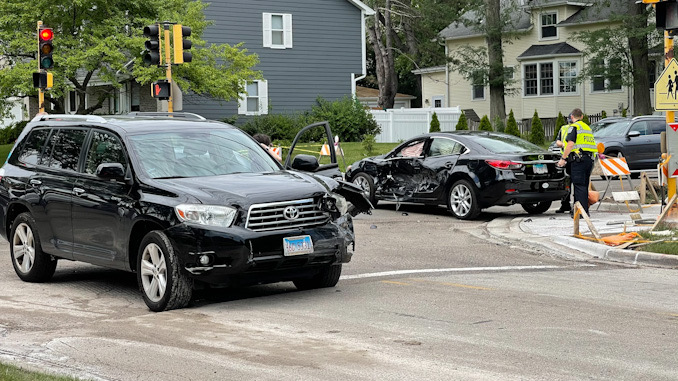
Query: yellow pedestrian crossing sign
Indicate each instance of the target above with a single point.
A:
(666, 88)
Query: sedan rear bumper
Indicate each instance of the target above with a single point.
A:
(518, 192)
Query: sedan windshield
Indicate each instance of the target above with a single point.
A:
(172, 154)
(614, 129)
(506, 144)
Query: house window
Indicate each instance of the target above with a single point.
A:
(568, 77)
(255, 101)
(135, 102)
(509, 73)
(478, 85)
(546, 80)
(277, 28)
(548, 25)
(114, 102)
(531, 79)
(437, 101)
(607, 75)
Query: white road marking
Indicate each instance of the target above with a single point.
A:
(456, 270)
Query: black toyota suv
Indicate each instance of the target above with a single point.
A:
(182, 201)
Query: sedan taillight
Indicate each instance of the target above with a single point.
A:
(504, 164)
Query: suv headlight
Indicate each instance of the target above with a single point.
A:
(335, 203)
(208, 215)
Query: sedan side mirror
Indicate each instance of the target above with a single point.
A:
(112, 171)
(633, 134)
(306, 163)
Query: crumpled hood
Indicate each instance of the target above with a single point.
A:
(244, 189)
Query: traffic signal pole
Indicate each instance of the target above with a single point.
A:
(168, 63)
(670, 118)
(41, 94)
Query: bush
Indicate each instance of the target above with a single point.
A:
(348, 118)
(10, 133)
(277, 126)
(585, 119)
(537, 130)
(512, 125)
(435, 123)
(462, 124)
(485, 124)
(499, 124)
(603, 115)
(368, 144)
(624, 113)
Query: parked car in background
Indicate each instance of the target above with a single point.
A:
(637, 139)
(181, 201)
(464, 170)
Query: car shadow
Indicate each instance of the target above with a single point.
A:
(439, 210)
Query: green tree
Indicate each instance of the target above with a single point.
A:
(435, 123)
(536, 130)
(485, 124)
(103, 40)
(560, 121)
(462, 124)
(585, 119)
(512, 125)
(499, 125)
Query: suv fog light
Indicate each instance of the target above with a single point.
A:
(204, 260)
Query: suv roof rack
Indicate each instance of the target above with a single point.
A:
(186, 115)
(90, 118)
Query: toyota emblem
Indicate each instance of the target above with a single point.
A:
(541, 157)
(291, 213)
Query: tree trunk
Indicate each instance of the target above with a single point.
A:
(495, 56)
(639, 58)
(384, 57)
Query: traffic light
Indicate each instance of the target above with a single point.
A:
(160, 90)
(45, 47)
(152, 56)
(667, 16)
(180, 44)
(43, 80)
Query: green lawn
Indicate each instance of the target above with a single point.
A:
(12, 373)
(353, 152)
(4, 151)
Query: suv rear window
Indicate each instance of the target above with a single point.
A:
(67, 144)
(32, 149)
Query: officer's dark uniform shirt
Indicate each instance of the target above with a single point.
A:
(571, 134)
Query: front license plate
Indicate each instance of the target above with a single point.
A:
(540, 169)
(297, 245)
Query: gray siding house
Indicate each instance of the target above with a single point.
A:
(306, 49)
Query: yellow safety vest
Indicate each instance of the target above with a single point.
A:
(585, 140)
(562, 135)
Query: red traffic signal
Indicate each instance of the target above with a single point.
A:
(160, 90)
(45, 47)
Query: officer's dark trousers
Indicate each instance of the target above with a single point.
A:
(580, 173)
(565, 201)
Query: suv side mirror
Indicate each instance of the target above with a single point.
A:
(113, 171)
(633, 134)
(306, 163)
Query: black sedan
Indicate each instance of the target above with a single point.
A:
(466, 170)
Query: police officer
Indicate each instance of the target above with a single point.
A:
(578, 152)
(560, 142)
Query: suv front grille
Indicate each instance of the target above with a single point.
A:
(271, 216)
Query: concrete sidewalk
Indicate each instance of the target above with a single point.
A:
(555, 233)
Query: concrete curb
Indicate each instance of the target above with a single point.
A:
(510, 230)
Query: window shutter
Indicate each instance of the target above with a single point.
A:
(242, 102)
(267, 30)
(287, 24)
(263, 97)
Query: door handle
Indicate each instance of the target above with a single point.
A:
(78, 191)
(35, 182)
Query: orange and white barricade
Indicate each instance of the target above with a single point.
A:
(325, 150)
(614, 166)
(617, 166)
(276, 151)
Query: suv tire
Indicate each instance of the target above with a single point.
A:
(158, 265)
(327, 277)
(30, 262)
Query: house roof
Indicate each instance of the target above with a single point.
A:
(597, 13)
(554, 3)
(559, 49)
(366, 92)
(426, 70)
(520, 21)
(368, 11)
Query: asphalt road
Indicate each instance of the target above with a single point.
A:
(425, 297)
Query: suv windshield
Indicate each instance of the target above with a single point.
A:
(614, 129)
(506, 144)
(194, 153)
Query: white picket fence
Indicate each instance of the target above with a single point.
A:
(402, 124)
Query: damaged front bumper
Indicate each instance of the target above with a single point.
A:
(238, 255)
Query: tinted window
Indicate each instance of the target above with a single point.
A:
(614, 129)
(67, 144)
(506, 144)
(104, 148)
(442, 147)
(657, 127)
(32, 150)
(640, 127)
(200, 153)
